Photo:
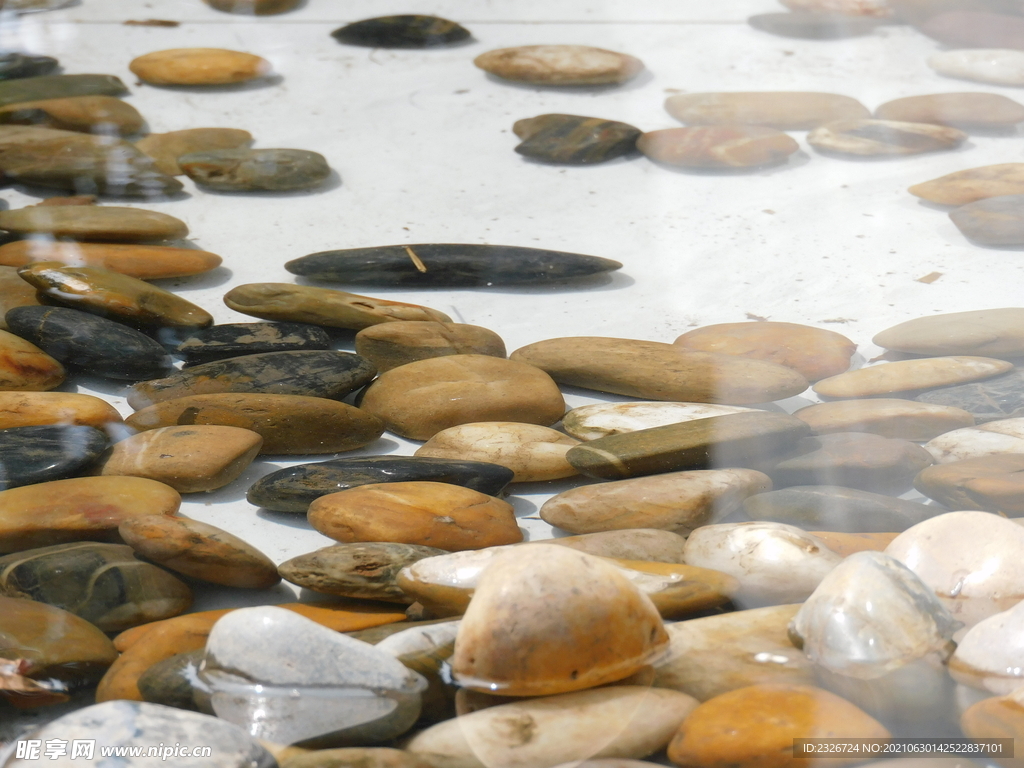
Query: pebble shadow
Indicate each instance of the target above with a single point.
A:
(249, 85)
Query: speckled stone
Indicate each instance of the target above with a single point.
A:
(403, 31)
(249, 170)
(717, 146)
(872, 138)
(962, 187)
(573, 139)
(560, 65)
(1001, 397)
(32, 409)
(991, 483)
(24, 367)
(198, 66)
(236, 339)
(962, 110)
(782, 110)
(89, 114)
(146, 262)
(888, 417)
(166, 148)
(93, 222)
(813, 26)
(833, 508)
(58, 87)
(992, 221)
(14, 292)
(910, 375)
(39, 454)
(389, 345)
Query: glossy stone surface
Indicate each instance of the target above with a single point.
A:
(962, 110)
(288, 424)
(739, 439)
(389, 345)
(909, 375)
(717, 146)
(560, 65)
(782, 110)
(236, 339)
(92, 222)
(589, 422)
(976, 29)
(440, 515)
(993, 437)
(248, 170)
(813, 26)
(293, 489)
(998, 66)
(111, 294)
(39, 454)
(313, 373)
(675, 501)
(993, 483)
(888, 417)
(992, 221)
(989, 332)
(199, 550)
(146, 262)
(189, 459)
(962, 187)
(402, 31)
(990, 655)
(574, 139)
(420, 399)
(31, 409)
(834, 508)
(169, 682)
(166, 148)
(90, 343)
(24, 367)
(366, 570)
(321, 306)
(656, 371)
(102, 583)
(1000, 397)
(58, 87)
(89, 114)
(872, 138)
(198, 66)
(14, 292)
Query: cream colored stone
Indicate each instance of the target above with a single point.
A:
(964, 187)
(589, 422)
(888, 417)
(991, 655)
(998, 66)
(782, 110)
(560, 65)
(909, 375)
(198, 66)
(964, 110)
(1002, 436)
(873, 138)
(987, 332)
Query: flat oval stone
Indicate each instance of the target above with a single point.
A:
(14, 292)
(962, 110)
(992, 221)
(321, 306)
(988, 332)
(992, 483)
(533, 452)
(89, 114)
(24, 367)
(646, 544)
(656, 371)
(146, 262)
(166, 148)
(314, 373)
(738, 439)
(236, 339)
(814, 352)
(964, 187)
(364, 571)
(202, 551)
(293, 489)
(1002, 436)
(389, 345)
(910, 375)
(90, 343)
(39, 454)
(253, 7)
(420, 399)
(198, 66)
(998, 66)
(448, 264)
(247, 170)
(560, 65)
(1000, 397)
(674, 501)
(976, 29)
(16, 65)
(717, 146)
(402, 31)
(884, 137)
(102, 583)
(93, 222)
(188, 459)
(440, 515)
(887, 417)
(589, 422)
(288, 424)
(573, 139)
(833, 508)
(32, 409)
(111, 294)
(809, 25)
(58, 87)
(782, 110)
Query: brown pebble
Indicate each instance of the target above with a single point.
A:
(93, 222)
(198, 66)
(146, 262)
(871, 138)
(166, 148)
(14, 292)
(389, 345)
(560, 65)
(782, 110)
(25, 367)
(962, 110)
(89, 114)
(67, 200)
(32, 409)
(964, 187)
(717, 146)
(253, 7)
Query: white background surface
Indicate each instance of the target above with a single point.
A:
(423, 146)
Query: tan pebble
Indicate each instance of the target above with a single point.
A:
(648, 544)
(988, 332)
(14, 292)
(440, 515)
(79, 509)
(93, 222)
(24, 367)
(560, 65)
(420, 399)
(202, 551)
(717, 146)
(909, 375)
(254, 8)
(533, 452)
(67, 200)
(964, 187)
(198, 66)
(389, 345)
(146, 262)
(884, 137)
(189, 459)
(964, 110)
(90, 114)
(288, 424)
(888, 417)
(846, 544)
(814, 352)
(166, 148)
(782, 110)
(33, 409)
(992, 483)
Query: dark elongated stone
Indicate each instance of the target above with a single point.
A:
(316, 373)
(993, 220)
(293, 489)
(574, 139)
(833, 508)
(169, 682)
(814, 26)
(236, 339)
(403, 31)
(246, 170)
(17, 65)
(447, 264)
(59, 86)
(1001, 397)
(38, 454)
(752, 439)
(90, 343)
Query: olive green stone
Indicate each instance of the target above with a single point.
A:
(59, 86)
(93, 222)
(169, 682)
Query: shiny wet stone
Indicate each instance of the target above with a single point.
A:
(14, 292)
(17, 65)
(91, 222)
(58, 87)
(248, 170)
(403, 31)
(31, 455)
(573, 139)
(992, 221)
(448, 264)
(314, 373)
(146, 262)
(237, 339)
(90, 343)
(293, 489)
(813, 26)
(170, 682)
(832, 508)
(1001, 397)
(253, 7)
(24, 367)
